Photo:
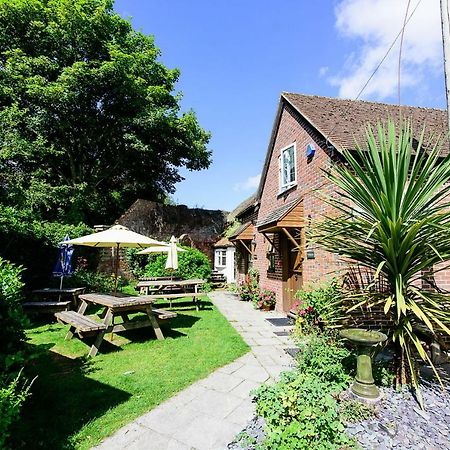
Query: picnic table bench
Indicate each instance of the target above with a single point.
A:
(66, 299)
(165, 289)
(113, 306)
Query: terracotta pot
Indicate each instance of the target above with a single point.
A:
(267, 307)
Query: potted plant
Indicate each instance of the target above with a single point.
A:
(267, 300)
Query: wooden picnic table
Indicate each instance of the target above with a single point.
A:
(52, 304)
(112, 307)
(63, 292)
(166, 289)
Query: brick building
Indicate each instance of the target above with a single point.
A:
(308, 136)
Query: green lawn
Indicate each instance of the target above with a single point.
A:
(77, 401)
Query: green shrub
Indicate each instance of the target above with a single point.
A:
(325, 357)
(352, 411)
(136, 262)
(12, 396)
(383, 372)
(33, 243)
(321, 304)
(191, 264)
(12, 318)
(300, 413)
(300, 410)
(92, 281)
(249, 290)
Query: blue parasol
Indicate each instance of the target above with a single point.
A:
(63, 267)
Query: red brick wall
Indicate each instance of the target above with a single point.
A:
(310, 180)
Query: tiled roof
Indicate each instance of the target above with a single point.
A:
(224, 242)
(246, 204)
(238, 231)
(277, 214)
(344, 121)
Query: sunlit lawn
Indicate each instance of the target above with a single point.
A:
(77, 401)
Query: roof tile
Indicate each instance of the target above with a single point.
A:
(343, 122)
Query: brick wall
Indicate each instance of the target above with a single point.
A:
(310, 180)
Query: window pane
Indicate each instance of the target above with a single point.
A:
(288, 166)
(291, 165)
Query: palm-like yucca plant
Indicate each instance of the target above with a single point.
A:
(393, 217)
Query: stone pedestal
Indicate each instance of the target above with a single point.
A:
(363, 387)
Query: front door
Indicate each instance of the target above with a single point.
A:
(293, 263)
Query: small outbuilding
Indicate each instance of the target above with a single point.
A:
(224, 252)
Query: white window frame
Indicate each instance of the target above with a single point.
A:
(221, 257)
(285, 186)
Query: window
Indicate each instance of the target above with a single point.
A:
(221, 258)
(288, 170)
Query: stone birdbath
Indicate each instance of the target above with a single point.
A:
(363, 386)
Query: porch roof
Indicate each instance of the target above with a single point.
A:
(244, 233)
(289, 215)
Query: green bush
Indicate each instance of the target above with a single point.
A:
(321, 304)
(300, 413)
(300, 410)
(353, 411)
(325, 357)
(136, 262)
(249, 290)
(12, 318)
(92, 281)
(32, 243)
(12, 396)
(191, 264)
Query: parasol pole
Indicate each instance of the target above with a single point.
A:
(116, 271)
(62, 278)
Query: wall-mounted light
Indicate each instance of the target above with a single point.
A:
(310, 254)
(310, 151)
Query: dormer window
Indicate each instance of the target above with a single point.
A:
(288, 167)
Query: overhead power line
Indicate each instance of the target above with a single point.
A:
(400, 33)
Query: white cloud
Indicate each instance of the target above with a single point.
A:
(251, 183)
(373, 25)
(323, 71)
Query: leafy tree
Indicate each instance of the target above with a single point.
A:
(90, 120)
(192, 263)
(31, 242)
(12, 317)
(393, 218)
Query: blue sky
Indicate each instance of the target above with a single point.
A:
(236, 57)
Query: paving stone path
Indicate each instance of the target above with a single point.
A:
(208, 414)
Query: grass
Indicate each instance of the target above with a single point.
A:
(77, 401)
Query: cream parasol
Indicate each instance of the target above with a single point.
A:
(116, 237)
(172, 253)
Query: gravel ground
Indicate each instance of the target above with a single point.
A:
(250, 436)
(399, 423)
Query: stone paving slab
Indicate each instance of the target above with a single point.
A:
(208, 414)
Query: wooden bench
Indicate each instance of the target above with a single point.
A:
(47, 306)
(79, 323)
(163, 296)
(163, 314)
